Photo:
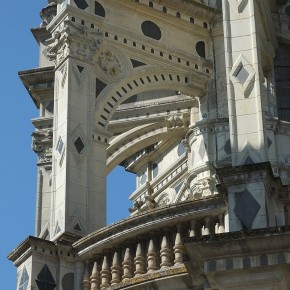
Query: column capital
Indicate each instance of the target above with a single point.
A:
(74, 40)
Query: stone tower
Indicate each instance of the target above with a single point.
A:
(192, 97)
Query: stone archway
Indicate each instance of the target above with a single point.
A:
(141, 81)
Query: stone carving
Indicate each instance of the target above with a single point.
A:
(204, 188)
(48, 13)
(136, 207)
(164, 200)
(74, 40)
(42, 145)
(177, 121)
(149, 199)
(109, 63)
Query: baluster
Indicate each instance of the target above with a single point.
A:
(207, 226)
(127, 266)
(165, 254)
(139, 261)
(194, 229)
(86, 280)
(105, 274)
(221, 224)
(178, 247)
(151, 257)
(95, 278)
(116, 270)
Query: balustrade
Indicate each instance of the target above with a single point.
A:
(164, 250)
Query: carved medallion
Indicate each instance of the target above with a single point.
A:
(109, 63)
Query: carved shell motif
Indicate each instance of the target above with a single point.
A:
(109, 63)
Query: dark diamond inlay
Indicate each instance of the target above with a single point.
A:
(79, 145)
(246, 208)
(45, 279)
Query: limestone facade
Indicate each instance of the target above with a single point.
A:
(193, 98)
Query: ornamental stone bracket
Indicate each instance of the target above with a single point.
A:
(42, 145)
(74, 40)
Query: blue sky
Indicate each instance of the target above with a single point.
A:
(19, 51)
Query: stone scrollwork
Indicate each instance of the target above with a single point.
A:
(42, 145)
(74, 40)
(109, 63)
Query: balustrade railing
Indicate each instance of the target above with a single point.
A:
(149, 252)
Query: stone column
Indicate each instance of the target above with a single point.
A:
(244, 82)
(79, 153)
